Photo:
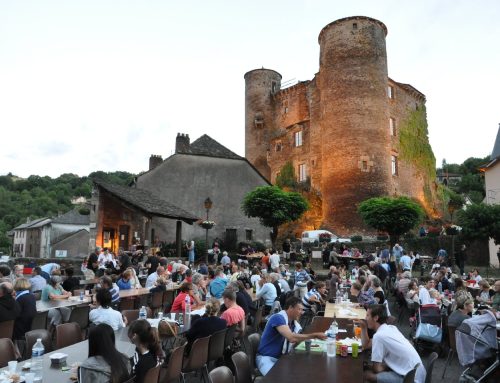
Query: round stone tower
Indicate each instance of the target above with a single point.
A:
(354, 122)
(260, 87)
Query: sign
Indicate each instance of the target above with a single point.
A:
(61, 253)
(316, 254)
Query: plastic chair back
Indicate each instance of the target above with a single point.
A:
(429, 366)
(40, 321)
(254, 340)
(198, 355)
(68, 334)
(32, 336)
(80, 315)
(9, 352)
(153, 375)
(174, 367)
(130, 315)
(221, 375)
(243, 372)
(7, 329)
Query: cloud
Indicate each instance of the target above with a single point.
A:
(53, 149)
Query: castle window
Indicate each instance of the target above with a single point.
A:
(364, 165)
(248, 234)
(286, 109)
(392, 126)
(390, 92)
(394, 165)
(302, 173)
(298, 138)
(354, 26)
(274, 86)
(278, 146)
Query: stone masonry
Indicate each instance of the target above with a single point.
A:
(340, 129)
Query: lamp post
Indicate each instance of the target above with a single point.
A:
(208, 205)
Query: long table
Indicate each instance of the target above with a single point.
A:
(344, 312)
(77, 353)
(42, 306)
(315, 367)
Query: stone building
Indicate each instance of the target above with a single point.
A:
(351, 132)
(197, 171)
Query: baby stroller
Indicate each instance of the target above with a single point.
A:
(477, 344)
(429, 331)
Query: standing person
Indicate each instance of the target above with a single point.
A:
(225, 260)
(286, 249)
(148, 349)
(406, 263)
(280, 328)
(274, 260)
(27, 308)
(152, 263)
(214, 257)
(190, 249)
(460, 257)
(48, 269)
(301, 279)
(392, 354)
(105, 364)
(92, 262)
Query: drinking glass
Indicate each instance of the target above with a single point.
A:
(331, 349)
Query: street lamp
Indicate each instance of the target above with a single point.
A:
(208, 205)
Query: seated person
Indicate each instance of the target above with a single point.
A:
(485, 297)
(424, 295)
(104, 313)
(54, 291)
(179, 304)
(280, 328)
(412, 294)
(71, 282)
(393, 356)
(315, 296)
(233, 314)
(208, 324)
(463, 311)
(125, 282)
(160, 285)
(496, 297)
(266, 291)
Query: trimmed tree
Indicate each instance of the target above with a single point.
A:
(480, 222)
(396, 216)
(274, 207)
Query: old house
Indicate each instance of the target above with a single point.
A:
(492, 185)
(200, 170)
(122, 217)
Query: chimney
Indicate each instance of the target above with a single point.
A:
(154, 161)
(182, 143)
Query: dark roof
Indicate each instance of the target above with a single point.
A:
(72, 217)
(32, 224)
(146, 202)
(496, 149)
(66, 236)
(207, 146)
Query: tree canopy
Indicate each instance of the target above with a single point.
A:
(480, 222)
(274, 207)
(394, 215)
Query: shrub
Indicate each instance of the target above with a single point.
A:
(433, 231)
(382, 237)
(258, 246)
(356, 238)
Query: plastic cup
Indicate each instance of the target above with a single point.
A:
(160, 315)
(331, 348)
(357, 332)
(29, 377)
(12, 366)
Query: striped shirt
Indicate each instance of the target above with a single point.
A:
(311, 293)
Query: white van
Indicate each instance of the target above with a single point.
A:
(312, 236)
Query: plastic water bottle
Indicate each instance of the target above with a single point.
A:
(187, 312)
(143, 314)
(346, 295)
(440, 287)
(81, 295)
(334, 328)
(37, 360)
(338, 296)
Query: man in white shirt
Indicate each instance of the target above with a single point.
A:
(405, 262)
(104, 258)
(104, 313)
(393, 356)
(274, 259)
(150, 282)
(424, 295)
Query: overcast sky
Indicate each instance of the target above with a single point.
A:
(100, 85)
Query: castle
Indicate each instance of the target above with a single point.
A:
(350, 133)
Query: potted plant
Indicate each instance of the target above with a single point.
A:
(207, 224)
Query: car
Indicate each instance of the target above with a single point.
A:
(312, 236)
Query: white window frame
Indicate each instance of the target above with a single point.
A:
(394, 165)
(390, 91)
(302, 173)
(392, 126)
(298, 138)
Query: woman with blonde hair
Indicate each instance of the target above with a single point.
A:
(27, 304)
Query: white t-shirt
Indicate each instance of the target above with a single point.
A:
(389, 346)
(150, 282)
(406, 262)
(425, 297)
(275, 260)
(108, 316)
(254, 279)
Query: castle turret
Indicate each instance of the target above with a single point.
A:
(356, 151)
(260, 86)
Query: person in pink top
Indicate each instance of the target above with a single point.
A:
(234, 314)
(179, 304)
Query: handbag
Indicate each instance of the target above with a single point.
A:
(429, 332)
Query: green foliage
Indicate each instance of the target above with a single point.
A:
(274, 206)
(395, 216)
(455, 203)
(37, 197)
(286, 176)
(258, 246)
(480, 222)
(414, 144)
(356, 238)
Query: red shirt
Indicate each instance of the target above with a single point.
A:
(179, 304)
(233, 315)
(265, 260)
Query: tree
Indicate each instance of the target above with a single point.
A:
(480, 222)
(455, 203)
(274, 207)
(396, 216)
